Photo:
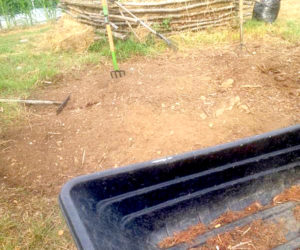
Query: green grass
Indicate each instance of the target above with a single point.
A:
(126, 49)
(287, 29)
(292, 31)
(23, 66)
(31, 221)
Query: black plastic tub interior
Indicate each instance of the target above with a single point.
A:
(137, 206)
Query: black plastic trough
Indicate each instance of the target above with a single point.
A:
(137, 206)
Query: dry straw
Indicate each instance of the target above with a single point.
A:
(68, 35)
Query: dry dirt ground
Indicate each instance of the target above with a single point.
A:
(169, 104)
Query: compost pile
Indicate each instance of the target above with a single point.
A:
(259, 234)
(266, 10)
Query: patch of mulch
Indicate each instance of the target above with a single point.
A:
(194, 231)
(291, 194)
(187, 236)
(259, 234)
(297, 212)
(183, 236)
(230, 216)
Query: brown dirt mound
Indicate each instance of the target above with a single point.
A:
(165, 105)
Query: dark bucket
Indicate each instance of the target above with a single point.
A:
(137, 206)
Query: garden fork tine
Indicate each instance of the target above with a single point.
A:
(116, 72)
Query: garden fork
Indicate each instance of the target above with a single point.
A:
(116, 72)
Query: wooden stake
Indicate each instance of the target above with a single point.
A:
(241, 5)
(129, 25)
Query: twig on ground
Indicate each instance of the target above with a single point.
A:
(83, 158)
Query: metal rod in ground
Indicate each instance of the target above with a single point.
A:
(241, 12)
(169, 43)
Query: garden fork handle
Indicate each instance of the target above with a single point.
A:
(109, 35)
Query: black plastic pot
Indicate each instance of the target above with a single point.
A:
(137, 206)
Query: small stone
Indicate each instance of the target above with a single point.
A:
(228, 83)
(217, 226)
(203, 116)
(245, 108)
(171, 132)
(235, 101)
(23, 40)
(210, 124)
(280, 78)
(203, 98)
(60, 232)
(158, 152)
(19, 68)
(173, 107)
(163, 105)
(220, 112)
(254, 53)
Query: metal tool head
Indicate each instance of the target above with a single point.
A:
(63, 105)
(117, 73)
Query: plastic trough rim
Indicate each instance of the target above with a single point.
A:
(67, 204)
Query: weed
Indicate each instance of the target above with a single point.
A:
(292, 31)
(166, 24)
(286, 29)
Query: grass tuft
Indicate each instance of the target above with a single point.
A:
(124, 49)
(31, 221)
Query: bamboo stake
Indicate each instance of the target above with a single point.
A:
(129, 25)
(241, 23)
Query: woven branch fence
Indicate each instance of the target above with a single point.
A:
(166, 16)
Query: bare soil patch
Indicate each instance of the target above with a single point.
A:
(165, 105)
